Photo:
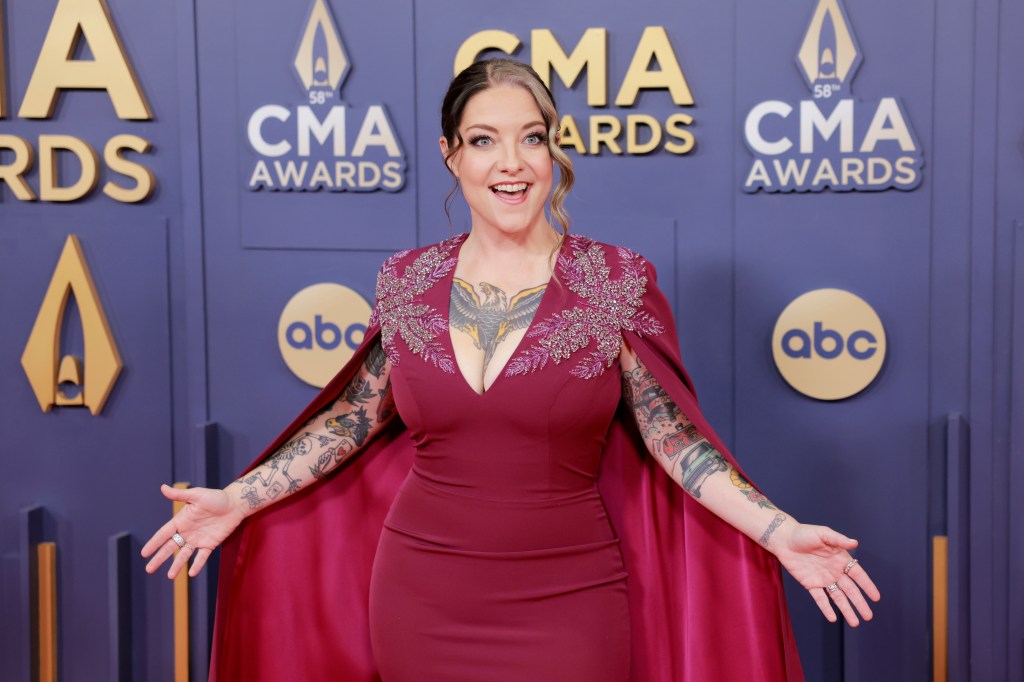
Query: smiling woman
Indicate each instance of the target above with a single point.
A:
(530, 530)
(500, 158)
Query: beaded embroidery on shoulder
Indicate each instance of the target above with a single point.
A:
(609, 307)
(399, 310)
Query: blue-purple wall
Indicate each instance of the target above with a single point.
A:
(194, 278)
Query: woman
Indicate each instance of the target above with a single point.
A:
(499, 558)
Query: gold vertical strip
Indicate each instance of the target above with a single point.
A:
(46, 563)
(940, 607)
(181, 643)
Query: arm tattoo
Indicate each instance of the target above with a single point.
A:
(772, 527)
(357, 392)
(488, 321)
(352, 425)
(386, 406)
(748, 490)
(699, 464)
(251, 497)
(375, 360)
(328, 437)
(669, 434)
(650, 403)
(281, 461)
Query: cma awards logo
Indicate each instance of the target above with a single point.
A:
(320, 329)
(61, 381)
(833, 140)
(325, 143)
(829, 344)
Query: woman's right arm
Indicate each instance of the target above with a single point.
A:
(328, 439)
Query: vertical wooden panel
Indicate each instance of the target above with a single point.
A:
(940, 607)
(181, 639)
(47, 609)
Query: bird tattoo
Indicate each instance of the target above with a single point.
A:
(490, 320)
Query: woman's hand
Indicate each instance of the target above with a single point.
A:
(207, 518)
(818, 557)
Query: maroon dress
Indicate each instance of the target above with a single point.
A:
(497, 560)
(521, 534)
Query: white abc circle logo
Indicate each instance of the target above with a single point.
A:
(319, 329)
(829, 344)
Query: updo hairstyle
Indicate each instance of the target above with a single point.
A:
(490, 73)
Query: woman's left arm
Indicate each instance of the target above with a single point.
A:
(817, 556)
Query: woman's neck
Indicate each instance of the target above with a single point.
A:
(506, 256)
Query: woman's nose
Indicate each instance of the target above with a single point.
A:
(511, 160)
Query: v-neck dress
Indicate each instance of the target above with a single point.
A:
(497, 560)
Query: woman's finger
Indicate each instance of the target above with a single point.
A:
(823, 603)
(856, 598)
(162, 554)
(161, 537)
(180, 561)
(863, 580)
(202, 554)
(178, 494)
(842, 601)
(836, 539)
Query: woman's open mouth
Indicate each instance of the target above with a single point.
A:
(511, 192)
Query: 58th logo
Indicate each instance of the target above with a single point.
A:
(832, 141)
(324, 144)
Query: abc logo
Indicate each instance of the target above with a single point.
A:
(319, 329)
(829, 344)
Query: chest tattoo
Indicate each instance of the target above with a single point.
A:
(490, 315)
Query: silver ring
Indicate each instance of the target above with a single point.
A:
(189, 547)
(846, 571)
(834, 587)
(178, 540)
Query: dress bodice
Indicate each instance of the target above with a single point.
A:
(532, 443)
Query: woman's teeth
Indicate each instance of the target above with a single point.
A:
(510, 187)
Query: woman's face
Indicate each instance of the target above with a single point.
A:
(504, 165)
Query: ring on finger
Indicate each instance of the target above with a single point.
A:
(834, 587)
(178, 540)
(189, 547)
(849, 566)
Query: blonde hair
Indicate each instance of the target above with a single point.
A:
(490, 73)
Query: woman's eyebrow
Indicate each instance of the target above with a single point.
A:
(492, 129)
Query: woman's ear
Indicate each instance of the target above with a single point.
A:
(443, 143)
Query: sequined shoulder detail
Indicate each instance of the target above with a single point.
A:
(609, 306)
(400, 310)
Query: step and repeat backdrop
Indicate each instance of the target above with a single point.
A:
(195, 199)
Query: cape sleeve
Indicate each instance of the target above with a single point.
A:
(293, 589)
(706, 602)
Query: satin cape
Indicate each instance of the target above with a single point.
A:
(706, 602)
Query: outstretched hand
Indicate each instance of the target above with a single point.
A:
(207, 518)
(819, 558)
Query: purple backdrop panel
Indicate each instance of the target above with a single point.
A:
(253, 394)
(352, 187)
(94, 475)
(858, 465)
(1008, 502)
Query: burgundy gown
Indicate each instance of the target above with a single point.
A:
(521, 534)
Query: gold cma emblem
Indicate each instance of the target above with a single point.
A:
(320, 59)
(44, 367)
(829, 55)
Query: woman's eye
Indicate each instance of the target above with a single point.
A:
(481, 141)
(534, 138)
